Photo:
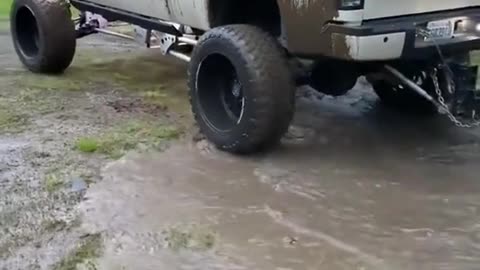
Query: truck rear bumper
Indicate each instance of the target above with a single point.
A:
(405, 37)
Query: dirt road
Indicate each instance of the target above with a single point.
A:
(354, 186)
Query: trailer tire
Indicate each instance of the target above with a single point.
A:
(43, 34)
(241, 90)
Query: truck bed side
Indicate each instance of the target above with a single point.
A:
(189, 12)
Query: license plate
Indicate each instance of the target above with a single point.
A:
(440, 29)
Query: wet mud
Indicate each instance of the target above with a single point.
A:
(105, 97)
(353, 187)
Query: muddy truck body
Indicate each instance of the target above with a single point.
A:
(246, 58)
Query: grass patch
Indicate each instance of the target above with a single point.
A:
(87, 145)
(140, 72)
(190, 237)
(90, 249)
(159, 80)
(119, 140)
(68, 82)
(10, 121)
(54, 225)
(53, 182)
(40, 102)
(5, 8)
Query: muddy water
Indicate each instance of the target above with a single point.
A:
(354, 186)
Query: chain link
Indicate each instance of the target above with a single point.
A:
(451, 86)
(444, 107)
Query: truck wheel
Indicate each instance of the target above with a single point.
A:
(43, 34)
(241, 90)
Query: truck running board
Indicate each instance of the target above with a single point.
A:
(169, 44)
(121, 15)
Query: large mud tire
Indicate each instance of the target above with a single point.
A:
(43, 34)
(241, 90)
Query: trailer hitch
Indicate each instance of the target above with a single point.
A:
(458, 98)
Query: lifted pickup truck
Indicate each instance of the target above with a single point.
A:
(243, 55)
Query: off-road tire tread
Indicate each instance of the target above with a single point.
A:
(275, 90)
(54, 17)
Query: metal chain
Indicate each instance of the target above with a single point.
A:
(444, 107)
(451, 85)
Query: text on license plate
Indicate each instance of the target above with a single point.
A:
(440, 29)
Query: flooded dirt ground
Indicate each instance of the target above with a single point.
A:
(98, 170)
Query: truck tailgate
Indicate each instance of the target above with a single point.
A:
(375, 9)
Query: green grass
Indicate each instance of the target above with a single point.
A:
(5, 8)
(11, 121)
(121, 139)
(46, 82)
(84, 254)
(87, 145)
(53, 182)
(53, 225)
(164, 83)
(191, 237)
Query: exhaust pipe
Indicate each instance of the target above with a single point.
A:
(411, 85)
